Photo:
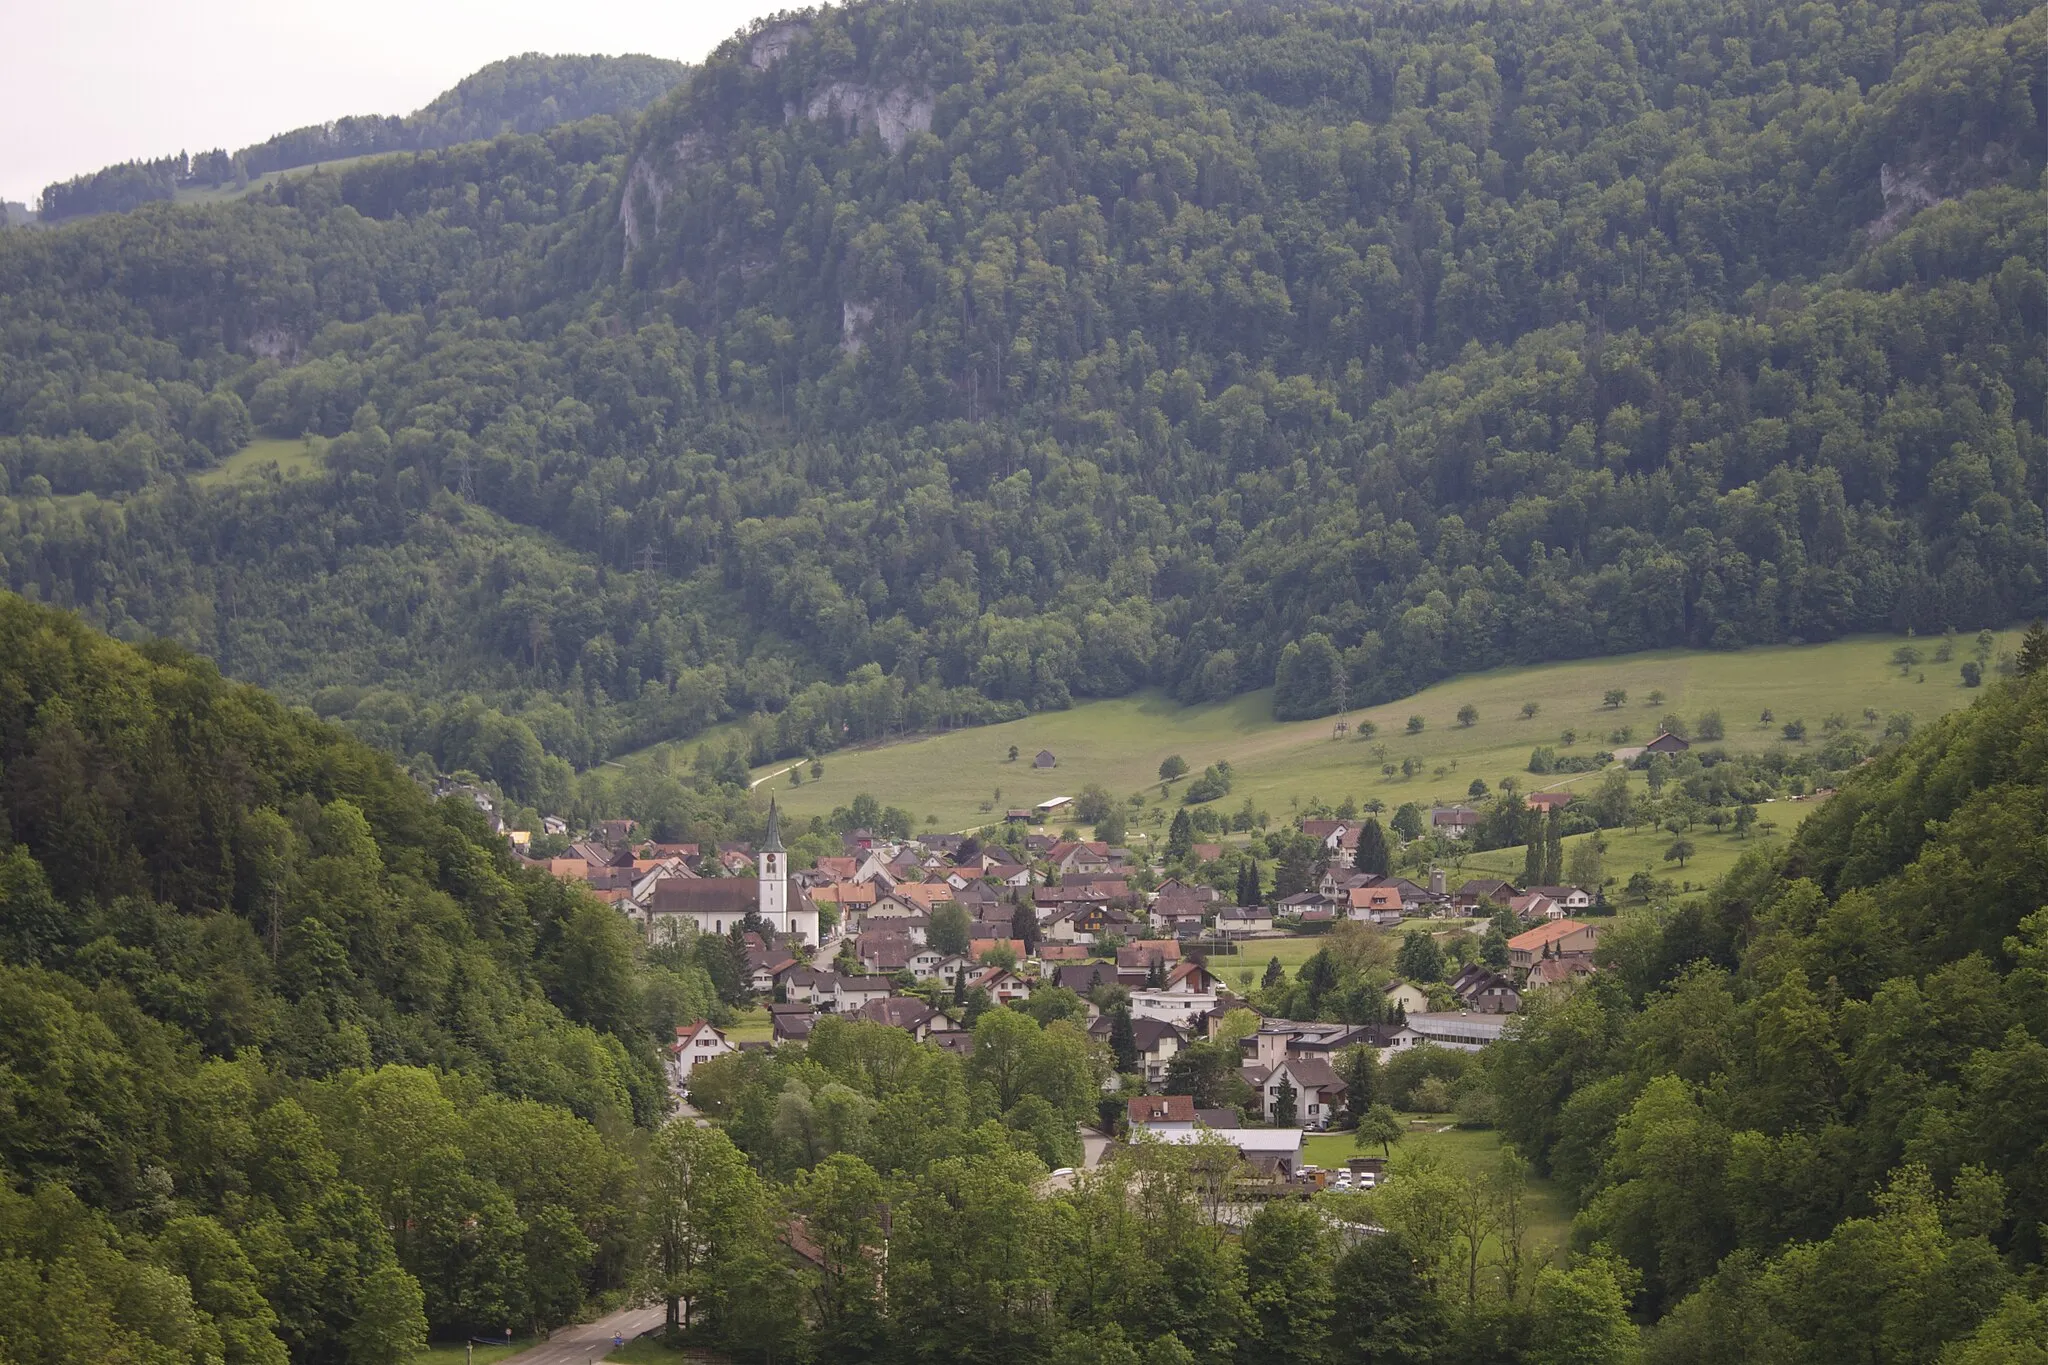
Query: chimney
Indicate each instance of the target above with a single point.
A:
(1436, 881)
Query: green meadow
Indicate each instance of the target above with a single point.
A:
(291, 459)
(966, 778)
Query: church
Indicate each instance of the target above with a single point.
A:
(715, 904)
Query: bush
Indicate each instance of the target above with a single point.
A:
(1973, 674)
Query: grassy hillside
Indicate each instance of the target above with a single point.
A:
(1120, 743)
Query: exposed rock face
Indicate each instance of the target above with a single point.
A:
(854, 320)
(893, 114)
(657, 184)
(1906, 192)
(771, 45)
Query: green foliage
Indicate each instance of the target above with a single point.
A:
(232, 931)
(1421, 957)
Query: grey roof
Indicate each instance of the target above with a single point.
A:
(1086, 977)
(773, 843)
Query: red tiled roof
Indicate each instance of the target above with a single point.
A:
(1542, 935)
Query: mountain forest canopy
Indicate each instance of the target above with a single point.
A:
(918, 364)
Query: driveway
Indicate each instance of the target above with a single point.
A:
(589, 1341)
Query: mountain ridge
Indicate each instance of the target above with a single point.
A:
(529, 93)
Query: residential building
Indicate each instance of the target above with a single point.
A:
(698, 1042)
(1574, 900)
(1318, 1092)
(1158, 1043)
(1453, 822)
(1407, 995)
(1273, 1152)
(1485, 991)
(1177, 1007)
(1556, 938)
(1245, 920)
(906, 1012)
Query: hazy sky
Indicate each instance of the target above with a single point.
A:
(90, 82)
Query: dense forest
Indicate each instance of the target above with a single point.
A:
(291, 1061)
(525, 94)
(913, 365)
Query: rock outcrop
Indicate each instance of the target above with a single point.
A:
(893, 113)
(1906, 192)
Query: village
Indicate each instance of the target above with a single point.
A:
(924, 934)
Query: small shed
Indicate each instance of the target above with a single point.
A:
(1045, 759)
(1667, 743)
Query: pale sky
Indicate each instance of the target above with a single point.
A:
(85, 83)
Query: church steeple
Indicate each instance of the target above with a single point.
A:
(773, 844)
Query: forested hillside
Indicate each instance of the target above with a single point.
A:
(291, 1059)
(526, 94)
(1808, 1112)
(914, 364)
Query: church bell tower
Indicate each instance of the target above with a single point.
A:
(774, 873)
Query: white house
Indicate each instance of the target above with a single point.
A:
(1318, 1092)
(698, 1042)
(1178, 1008)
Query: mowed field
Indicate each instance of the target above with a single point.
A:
(965, 778)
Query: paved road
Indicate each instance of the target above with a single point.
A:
(588, 1341)
(1094, 1146)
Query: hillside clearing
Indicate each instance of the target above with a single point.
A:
(291, 459)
